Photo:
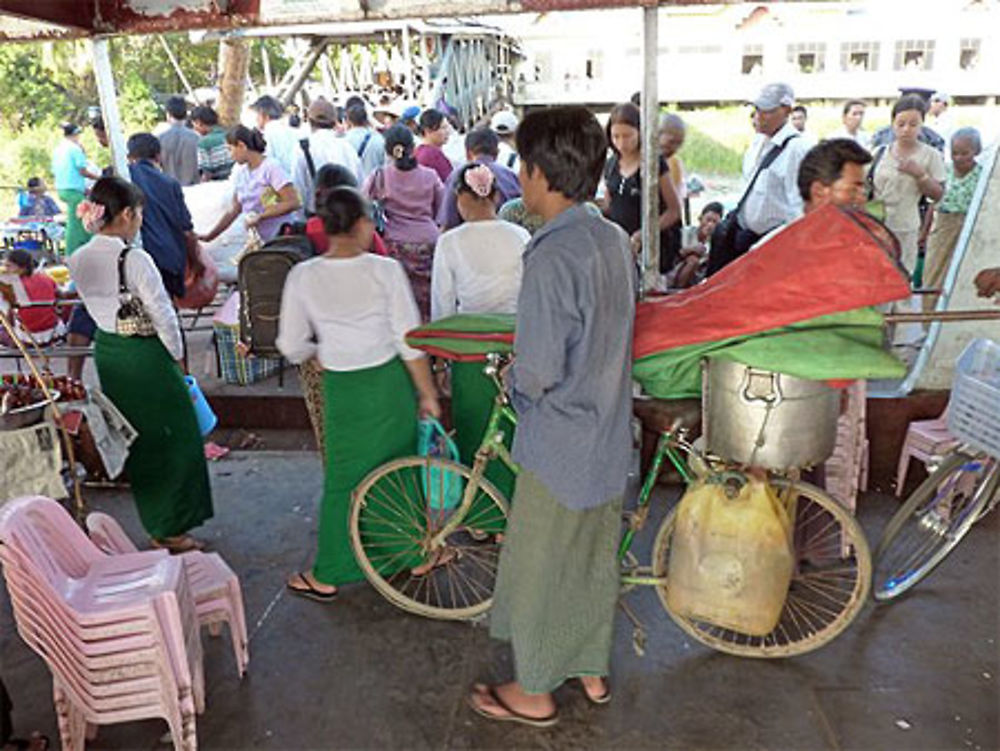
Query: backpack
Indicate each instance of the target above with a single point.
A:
(262, 275)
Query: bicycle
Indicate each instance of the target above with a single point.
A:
(961, 490)
(444, 560)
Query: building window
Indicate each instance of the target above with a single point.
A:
(968, 58)
(914, 54)
(808, 57)
(753, 60)
(859, 57)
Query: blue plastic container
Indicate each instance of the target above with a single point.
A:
(206, 417)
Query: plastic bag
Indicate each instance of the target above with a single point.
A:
(731, 557)
(442, 490)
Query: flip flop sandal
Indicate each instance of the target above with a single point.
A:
(595, 700)
(442, 557)
(309, 591)
(512, 714)
(182, 544)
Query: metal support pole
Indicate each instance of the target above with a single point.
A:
(411, 92)
(318, 49)
(265, 59)
(177, 69)
(109, 104)
(650, 154)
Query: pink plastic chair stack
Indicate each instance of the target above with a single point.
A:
(215, 587)
(847, 469)
(120, 634)
(926, 440)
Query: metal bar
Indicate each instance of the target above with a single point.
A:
(307, 67)
(650, 162)
(109, 104)
(411, 92)
(177, 69)
(265, 60)
(944, 316)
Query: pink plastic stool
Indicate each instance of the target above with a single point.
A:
(925, 440)
(216, 588)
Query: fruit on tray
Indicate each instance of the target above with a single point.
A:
(20, 389)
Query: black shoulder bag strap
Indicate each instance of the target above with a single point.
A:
(879, 153)
(310, 164)
(364, 144)
(122, 286)
(766, 162)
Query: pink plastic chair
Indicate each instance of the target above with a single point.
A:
(216, 588)
(120, 634)
(925, 441)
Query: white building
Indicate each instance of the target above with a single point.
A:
(722, 53)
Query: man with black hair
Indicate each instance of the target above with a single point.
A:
(558, 578)
(833, 171)
(282, 140)
(214, 159)
(367, 143)
(482, 146)
(179, 144)
(165, 217)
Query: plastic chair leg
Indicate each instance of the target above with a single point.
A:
(903, 469)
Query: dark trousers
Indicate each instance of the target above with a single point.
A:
(6, 723)
(721, 256)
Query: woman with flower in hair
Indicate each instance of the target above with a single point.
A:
(477, 269)
(410, 195)
(141, 370)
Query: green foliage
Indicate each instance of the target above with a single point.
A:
(135, 102)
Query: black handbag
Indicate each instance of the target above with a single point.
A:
(723, 249)
(132, 318)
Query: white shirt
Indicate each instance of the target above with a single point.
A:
(94, 269)
(860, 138)
(775, 198)
(282, 141)
(325, 147)
(351, 313)
(508, 157)
(477, 268)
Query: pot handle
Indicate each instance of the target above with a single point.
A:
(772, 398)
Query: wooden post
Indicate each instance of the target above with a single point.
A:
(232, 82)
(650, 152)
(318, 47)
(109, 104)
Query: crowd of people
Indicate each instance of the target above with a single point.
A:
(540, 218)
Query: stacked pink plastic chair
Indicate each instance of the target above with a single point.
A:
(119, 633)
(926, 441)
(216, 589)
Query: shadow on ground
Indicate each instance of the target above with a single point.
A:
(359, 674)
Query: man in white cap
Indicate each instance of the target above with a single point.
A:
(771, 195)
(940, 119)
(323, 146)
(504, 124)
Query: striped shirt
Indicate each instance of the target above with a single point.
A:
(775, 197)
(214, 160)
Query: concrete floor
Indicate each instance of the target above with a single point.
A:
(917, 674)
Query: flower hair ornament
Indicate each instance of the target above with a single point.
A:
(91, 215)
(398, 151)
(480, 180)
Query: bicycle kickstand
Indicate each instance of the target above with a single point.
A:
(638, 630)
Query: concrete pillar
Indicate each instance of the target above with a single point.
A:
(650, 153)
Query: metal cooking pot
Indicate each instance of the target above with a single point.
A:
(766, 419)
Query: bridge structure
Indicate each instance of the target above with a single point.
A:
(462, 63)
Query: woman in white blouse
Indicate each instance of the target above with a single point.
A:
(477, 269)
(351, 310)
(142, 374)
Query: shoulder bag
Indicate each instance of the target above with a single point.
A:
(132, 318)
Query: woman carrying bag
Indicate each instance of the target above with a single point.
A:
(351, 309)
(138, 353)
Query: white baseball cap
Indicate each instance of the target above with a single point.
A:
(774, 95)
(504, 122)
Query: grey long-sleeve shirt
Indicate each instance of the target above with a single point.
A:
(571, 379)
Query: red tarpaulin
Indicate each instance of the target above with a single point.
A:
(830, 261)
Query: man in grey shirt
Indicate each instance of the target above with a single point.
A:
(558, 579)
(179, 144)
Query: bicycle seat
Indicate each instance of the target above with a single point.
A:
(660, 415)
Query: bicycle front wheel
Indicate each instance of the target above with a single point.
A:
(932, 521)
(829, 584)
(398, 511)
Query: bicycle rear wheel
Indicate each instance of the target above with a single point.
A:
(932, 521)
(829, 584)
(394, 517)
